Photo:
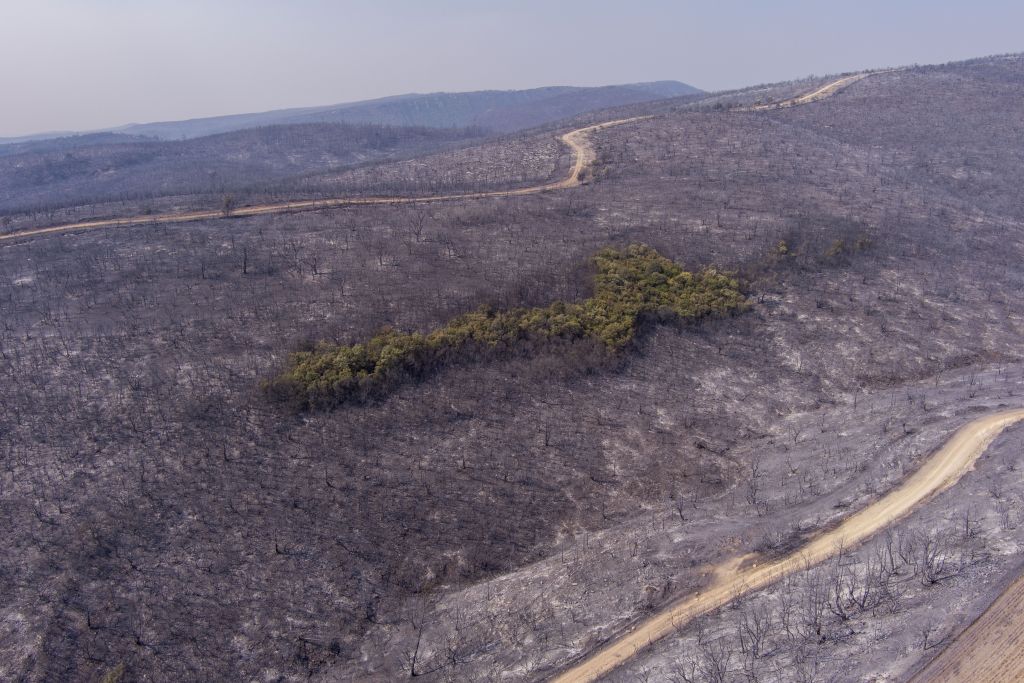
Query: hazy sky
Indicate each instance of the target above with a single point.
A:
(86, 64)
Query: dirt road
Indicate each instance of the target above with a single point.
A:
(990, 650)
(577, 140)
(939, 472)
(821, 93)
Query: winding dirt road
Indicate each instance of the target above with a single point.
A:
(577, 140)
(821, 93)
(939, 472)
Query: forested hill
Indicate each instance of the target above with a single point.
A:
(495, 110)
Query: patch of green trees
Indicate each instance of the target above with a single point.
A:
(631, 286)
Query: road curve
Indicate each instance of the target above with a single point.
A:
(943, 469)
(577, 140)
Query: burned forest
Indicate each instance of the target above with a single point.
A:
(482, 427)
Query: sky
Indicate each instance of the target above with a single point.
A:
(90, 64)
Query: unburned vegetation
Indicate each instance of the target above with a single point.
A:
(631, 286)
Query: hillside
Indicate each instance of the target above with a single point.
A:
(198, 162)
(506, 513)
(40, 176)
(492, 110)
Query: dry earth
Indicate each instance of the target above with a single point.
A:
(991, 649)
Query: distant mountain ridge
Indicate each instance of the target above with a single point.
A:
(500, 111)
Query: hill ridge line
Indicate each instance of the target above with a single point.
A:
(576, 140)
